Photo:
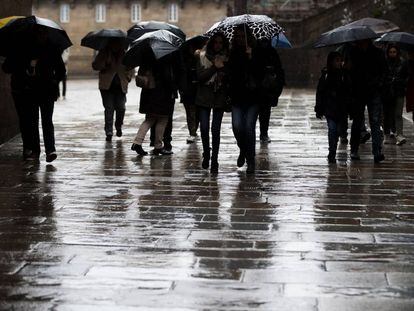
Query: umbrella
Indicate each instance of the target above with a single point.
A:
(261, 26)
(345, 34)
(197, 42)
(99, 39)
(377, 25)
(6, 20)
(161, 43)
(141, 28)
(405, 39)
(280, 41)
(20, 30)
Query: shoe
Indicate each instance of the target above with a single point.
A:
(331, 158)
(119, 132)
(138, 149)
(33, 156)
(392, 135)
(241, 160)
(26, 153)
(108, 138)
(265, 139)
(355, 156)
(365, 137)
(168, 147)
(206, 159)
(214, 167)
(400, 140)
(251, 167)
(152, 144)
(343, 140)
(387, 139)
(161, 151)
(379, 158)
(191, 139)
(50, 157)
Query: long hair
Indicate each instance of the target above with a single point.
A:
(395, 46)
(210, 44)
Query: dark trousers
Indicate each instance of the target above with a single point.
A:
(374, 106)
(334, 129)
(167, 133)
(264, 119)
(244, 119)
(204, 116)
(63, 87)
(113, 101)
(46, 106)
(24, 109)
(192, 118)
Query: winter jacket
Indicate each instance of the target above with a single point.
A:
(410, 85)
(333, 94)
(395, 81)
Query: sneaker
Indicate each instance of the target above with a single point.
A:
(344, 140)
(191, 139)
(108, 138)
(241, 160)
(265, 139)
(365, 137)
(138, 149)
(379, 158)
(161, 151)
(400, 140)
(50, 157)
(119, 132)
(355, 156)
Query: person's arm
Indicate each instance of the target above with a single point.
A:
(100, 62)
(60, 69)
(204, 74)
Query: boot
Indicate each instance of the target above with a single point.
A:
(138, 149)
(206, 160)
(251, 167)
(214, 165)
(241, 159)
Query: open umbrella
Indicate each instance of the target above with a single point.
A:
(280, 41)
(141, 28)
(197, 42)
(405, 39)
(345, 34)
(99, 39)
(19, 31)
(261, 26)
(377, 25)
(159, 43)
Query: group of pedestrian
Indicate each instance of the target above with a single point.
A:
(243, 76)
(362, 76)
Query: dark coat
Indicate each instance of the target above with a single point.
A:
(188, 83)
(410, 85)
(41, 81)
(210, 94)
(256, 80)
(159, 98)
(333, 95)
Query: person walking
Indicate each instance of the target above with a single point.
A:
(367, 69)
(271, 87)
(393, 95)
(158, 94)
(35, 75)
(65, 58)
(332, 98)
(212, 95)
(113, 84)
(410, 82)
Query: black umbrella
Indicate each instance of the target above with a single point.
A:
(197, 42)
(99, 39)
(142, 28)
(19, 32)
(405, 39)
(377, 25)
(156, 44)
(344, 34)
(261, 26)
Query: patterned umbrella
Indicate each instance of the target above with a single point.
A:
(261, 26)
(99, 39)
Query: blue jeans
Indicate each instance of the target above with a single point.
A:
(204, 116)
(333, 135)
(244, 119)
(374, 106)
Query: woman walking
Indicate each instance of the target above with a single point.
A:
(113, 84)
(212, 96)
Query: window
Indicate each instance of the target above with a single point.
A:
(65, 13)
(173, 12)
(100, 13)
(135, 12)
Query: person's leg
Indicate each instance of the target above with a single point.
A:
(365, 135)
(398, 112)
(24, 112)
(108, 103)
(191, 111)
(119, 105)
(252, 113)
(160, 127)
(264, 119)
(375, 114)
(357, 123)
(204, 115)
(143, 129)
(343, 129)
(168, 133)
(64, 86)
(238, 126)
(332, 139)
(215, 134)
(34, 106)
(46, 111)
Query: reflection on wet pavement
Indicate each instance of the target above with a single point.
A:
(103, 229)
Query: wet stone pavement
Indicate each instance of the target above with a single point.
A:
(103, 229)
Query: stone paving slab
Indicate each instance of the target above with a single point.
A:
(103, 229)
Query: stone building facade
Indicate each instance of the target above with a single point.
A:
(78, 17)
(8, 118)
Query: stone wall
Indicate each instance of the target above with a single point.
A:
(9, 122)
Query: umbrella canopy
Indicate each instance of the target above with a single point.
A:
(377, 25)
(197, 42)
(159, 43)
(344, 34)
(142, 28)
(261, 26)
(405, 39)
(19, 31)
(281, 41)
(99, 39)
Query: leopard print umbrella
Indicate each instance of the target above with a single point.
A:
(261, 26)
